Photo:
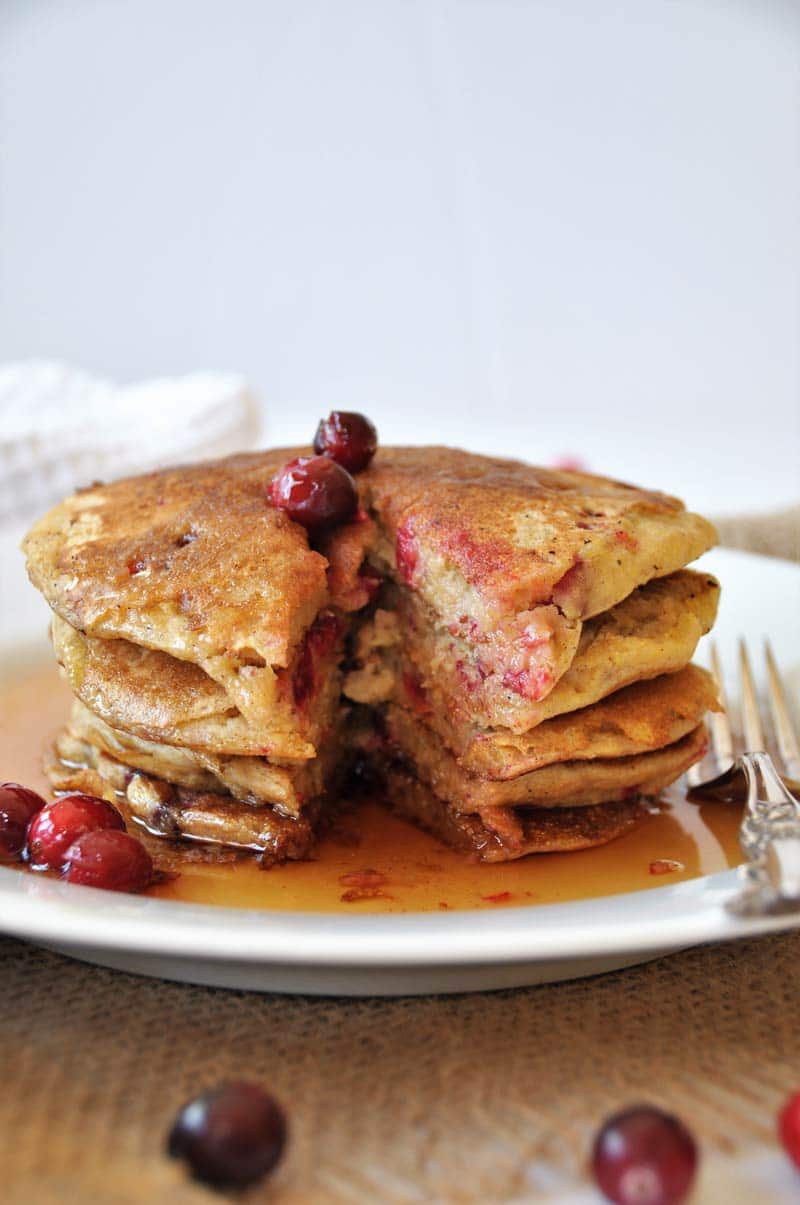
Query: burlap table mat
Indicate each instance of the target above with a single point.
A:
(481, 1098)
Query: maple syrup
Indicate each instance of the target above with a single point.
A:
(376, 862)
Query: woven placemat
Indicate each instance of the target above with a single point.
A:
(479, 1098)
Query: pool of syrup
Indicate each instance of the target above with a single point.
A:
(374, 862)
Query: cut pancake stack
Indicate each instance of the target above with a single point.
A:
(510, 645)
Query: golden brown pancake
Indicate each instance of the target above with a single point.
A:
(207, 642)
(158, 698)
(175, 812)
(509, 558)
(505, 834)
(253, 780)
(638, 720)
(570, 784)
(194, 562)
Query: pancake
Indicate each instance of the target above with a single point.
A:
(638, 720)
(564, 784)
(496, 611)
(653, 631)
(253, 780)
(506, 834)
(510, 559)
(174, 812)
(194, 562)
(156, 697)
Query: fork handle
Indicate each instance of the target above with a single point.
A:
(782, 864)
(770, 832)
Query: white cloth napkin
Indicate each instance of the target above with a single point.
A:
(61, 428)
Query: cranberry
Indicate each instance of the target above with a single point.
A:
(348, 438)
(106, 857)
(644, 1157)
(320, 639)
(407, 554)
(58, 825)
(230, 1136)
(18, 806)
(789, 1127)
(371, 582)
(315, 491)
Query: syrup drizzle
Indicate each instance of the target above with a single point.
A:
(374, 862)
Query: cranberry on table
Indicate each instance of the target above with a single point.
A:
(348, 438)
(18, 806)
(644, 1157)
(230, 1136)
(789, 1127)
(108, 858)
(315, 491)
(60, 824)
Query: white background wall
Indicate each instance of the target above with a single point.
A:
(542, 227)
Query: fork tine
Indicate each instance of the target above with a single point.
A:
(720, 726)
(751, 721)
(721, 735)
(784, 729)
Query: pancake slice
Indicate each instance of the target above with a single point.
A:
(636, 721)
(507, 834)
(509, 560)
(159, 698)
(652, 632)
(253, 780)
(565, 783)
(175, 812)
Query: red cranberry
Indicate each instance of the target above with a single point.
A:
(407, 554)
(18, 806)
(230, 1136)
(789, 1127)
(58, 825)
(106, 857)
(319, 641)
(348, 438)
(315, 491)
(371, 581)
(644, 1157)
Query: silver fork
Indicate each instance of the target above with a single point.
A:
(770, 831)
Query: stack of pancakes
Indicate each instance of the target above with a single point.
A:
(509, 644)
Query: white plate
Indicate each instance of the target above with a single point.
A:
(427, 952)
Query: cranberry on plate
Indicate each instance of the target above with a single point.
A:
(18, 806)
(789, 1128)
(314, 491)
(230, 1136)
(348, 438)
(108, 858)
(58, 825)
(642, 1156)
